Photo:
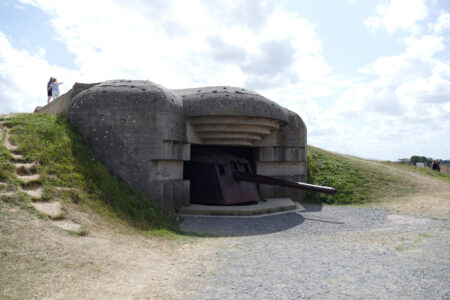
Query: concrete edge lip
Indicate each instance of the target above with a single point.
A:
(271, 206)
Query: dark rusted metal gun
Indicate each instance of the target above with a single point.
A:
(243, 176)
(218, 178)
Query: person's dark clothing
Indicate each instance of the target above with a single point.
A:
(49, 91)
(435, 166)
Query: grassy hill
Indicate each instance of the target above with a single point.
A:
(361, 181)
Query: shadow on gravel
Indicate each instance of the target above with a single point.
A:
(253, 225)
(311, 207)
(241, 226)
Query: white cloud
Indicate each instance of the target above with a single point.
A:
(424, 47)
(443, 22)
(397, 15)
(179, 43)
(23, 78)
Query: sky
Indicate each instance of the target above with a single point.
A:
(369, 78)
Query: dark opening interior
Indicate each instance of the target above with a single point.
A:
(245, 152)
(200, 173)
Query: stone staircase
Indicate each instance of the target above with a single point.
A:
(30, 184)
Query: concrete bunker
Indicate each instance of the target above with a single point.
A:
(146, 134)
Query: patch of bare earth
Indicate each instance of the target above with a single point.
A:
(431, 199)
(39, 260)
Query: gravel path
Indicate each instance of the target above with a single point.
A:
(327, 253)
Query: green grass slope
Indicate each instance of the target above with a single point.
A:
(359, 181)
(64, 159)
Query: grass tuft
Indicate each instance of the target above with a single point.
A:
(83, 232)
(426, 235)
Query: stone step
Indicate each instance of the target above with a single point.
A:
(9, 145)
(64, 188)
(17, 157)
(52, 209)
(29, 178)
(35, 191)
(24, 168)
(6, 194)
(68, 225)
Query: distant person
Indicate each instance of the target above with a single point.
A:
(55, 88)
(436, 165)
(49, 90)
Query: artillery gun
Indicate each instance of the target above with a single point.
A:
(224, 179)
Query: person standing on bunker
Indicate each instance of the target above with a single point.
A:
(49, 90)
(55, 88)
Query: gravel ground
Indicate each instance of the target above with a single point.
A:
(327, 253)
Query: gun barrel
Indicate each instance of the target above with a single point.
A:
(243, 176)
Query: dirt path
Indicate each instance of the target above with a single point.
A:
(432, 198)
(38, 260)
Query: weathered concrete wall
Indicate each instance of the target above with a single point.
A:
(283, 154)
(60, 104)
(224, 115)
(229, 101)
(138, 130)
(57, 106)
